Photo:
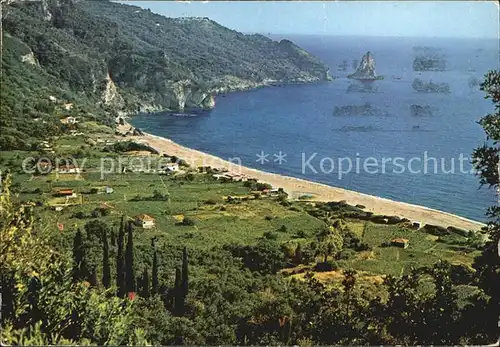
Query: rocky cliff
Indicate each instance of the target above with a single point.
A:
(366, 69)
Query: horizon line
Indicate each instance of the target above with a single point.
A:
(369, 35)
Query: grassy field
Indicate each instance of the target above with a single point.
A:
(216, 222)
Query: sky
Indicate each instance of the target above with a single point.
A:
(478, 19)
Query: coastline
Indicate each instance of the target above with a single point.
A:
(296, 187)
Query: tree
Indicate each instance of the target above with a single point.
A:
(129, 261)
(443, 308)
(106, 271)
(154, 271)
(178, 306)
(348, 283)
(79, 265)
(298, 256)
(113, 238)
(145, 283)
(92, 278)
(120, 261)
(486, 162)
(185, 273)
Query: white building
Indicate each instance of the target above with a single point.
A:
(68, 169)
(172, 167)
(145, 221)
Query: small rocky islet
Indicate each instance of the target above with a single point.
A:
(366, 69)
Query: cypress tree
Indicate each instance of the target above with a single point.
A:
(106, 271)
(120, 265)
(181, 285)
(145, 283)
(178, 306)
(129, 262)
(154, 271)
(113, 238)
(92, 277)
(7, 288)
(79, 266)
(299, 257)
(185, 273)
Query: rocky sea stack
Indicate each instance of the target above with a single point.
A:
(366, 69)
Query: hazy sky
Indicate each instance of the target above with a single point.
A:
(378, 18)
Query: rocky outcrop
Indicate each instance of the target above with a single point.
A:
(110, 95)
(366, 69)
(208, 101)
(189, 95)
(29, 59)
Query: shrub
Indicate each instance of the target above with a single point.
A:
(262, 186)
(268, 217)
(326, 266)
(345, 254)
(301, 234)
(188, 221)
(362, 246)
(283, 229)
(79, 215)
(270, 235)
(435, 230)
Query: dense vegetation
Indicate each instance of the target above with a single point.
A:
(227, 265)
(107, 57)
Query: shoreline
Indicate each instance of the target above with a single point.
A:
(296, 187)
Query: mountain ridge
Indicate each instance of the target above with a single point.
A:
(122, 59)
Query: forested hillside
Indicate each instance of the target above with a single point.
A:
(107, 58)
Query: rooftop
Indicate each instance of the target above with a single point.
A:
(144, 217)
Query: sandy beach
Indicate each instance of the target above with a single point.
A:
(296, 187)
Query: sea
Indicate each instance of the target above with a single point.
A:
(361, 136)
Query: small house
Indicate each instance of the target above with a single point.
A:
(109, 190)
(68, 169)
(66, 192)
(171, 167)
(400, 242)
(145, 221)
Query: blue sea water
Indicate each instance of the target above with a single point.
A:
(299, 121)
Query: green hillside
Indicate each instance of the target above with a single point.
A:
(111, 59)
